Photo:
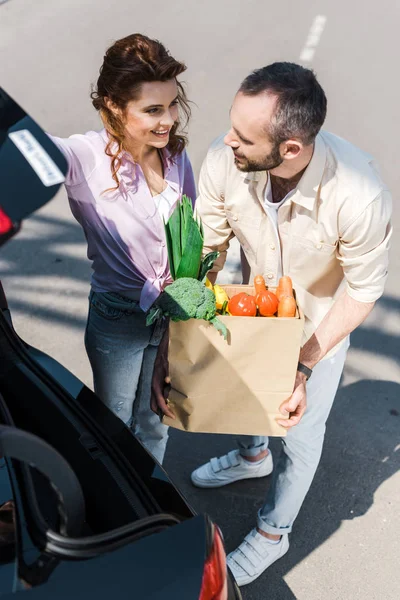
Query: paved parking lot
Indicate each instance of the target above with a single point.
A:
(345, 543)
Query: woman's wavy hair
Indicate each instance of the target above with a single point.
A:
(128, 63)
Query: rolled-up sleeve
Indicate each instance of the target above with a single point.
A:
(210, 207)
(364, 248)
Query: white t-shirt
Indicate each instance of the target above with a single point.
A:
(271, 208)
(165, 201)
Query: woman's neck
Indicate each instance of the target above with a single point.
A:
(140, 154)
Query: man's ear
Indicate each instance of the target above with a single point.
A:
(291, 149)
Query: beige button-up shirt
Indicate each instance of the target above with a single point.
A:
(334, 230)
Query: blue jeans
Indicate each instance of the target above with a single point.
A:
(122, 351)
(301, 450)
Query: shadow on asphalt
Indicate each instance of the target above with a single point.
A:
(362, 450)
(40, 255)
(361, 447)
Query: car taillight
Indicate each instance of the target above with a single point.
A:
(214, 585)
(5, 222)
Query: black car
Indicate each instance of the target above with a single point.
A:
(85, 511)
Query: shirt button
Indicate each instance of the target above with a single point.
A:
(272, 246)
(270, 276)
(319, 246)
(235, 218)
(162, 244)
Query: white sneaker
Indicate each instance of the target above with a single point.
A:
(229, 468)
(254, 555)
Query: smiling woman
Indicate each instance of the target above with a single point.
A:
(122, 182)
(138, 97)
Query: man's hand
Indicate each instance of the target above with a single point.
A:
(161, 383)
(347, 312)
(297, 403)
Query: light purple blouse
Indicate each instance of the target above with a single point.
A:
(123, 228)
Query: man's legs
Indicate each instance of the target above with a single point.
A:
(301, 449)
(251, 460)
(293, 475)
(253, 447)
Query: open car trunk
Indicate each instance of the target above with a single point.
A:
(121, 490)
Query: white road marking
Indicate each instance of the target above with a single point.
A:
(313, 38)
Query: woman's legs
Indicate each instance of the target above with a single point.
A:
(122, 351)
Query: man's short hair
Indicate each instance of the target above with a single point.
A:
(301, 101)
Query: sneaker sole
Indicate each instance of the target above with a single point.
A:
(216, 484)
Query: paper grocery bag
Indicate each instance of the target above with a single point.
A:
(236, 385)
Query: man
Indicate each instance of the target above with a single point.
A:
(308, 204)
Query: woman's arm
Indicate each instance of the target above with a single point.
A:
(79, 155)
(160, 384)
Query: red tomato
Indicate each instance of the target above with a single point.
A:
(242, 305)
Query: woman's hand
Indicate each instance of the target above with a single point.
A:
(161, 383)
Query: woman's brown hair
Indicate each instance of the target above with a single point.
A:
(127, 64)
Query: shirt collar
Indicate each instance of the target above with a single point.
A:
(167, 160)
(308, 186)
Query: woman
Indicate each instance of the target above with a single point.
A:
(122, 183)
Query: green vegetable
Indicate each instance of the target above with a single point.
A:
(207, 264)
(224, 309)
(184, 241)
(187, 298)
(185, 238)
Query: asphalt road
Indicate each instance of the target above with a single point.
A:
(345, 544)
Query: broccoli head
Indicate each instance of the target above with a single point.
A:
(185, 299)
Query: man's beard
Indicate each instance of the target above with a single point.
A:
(272, 161)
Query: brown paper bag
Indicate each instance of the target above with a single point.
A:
(234, 386)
